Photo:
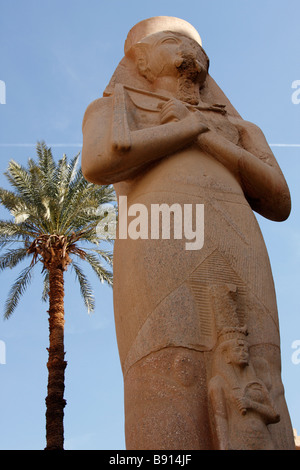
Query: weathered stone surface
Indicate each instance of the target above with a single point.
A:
(197, 329)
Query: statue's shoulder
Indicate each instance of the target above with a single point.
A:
(97, 108)
(242, 124)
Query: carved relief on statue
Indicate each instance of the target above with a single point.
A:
(241, 405)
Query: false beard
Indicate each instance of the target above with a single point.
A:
(189, 80)
(188, 91)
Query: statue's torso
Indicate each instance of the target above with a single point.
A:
(187, 169)
(190, 170)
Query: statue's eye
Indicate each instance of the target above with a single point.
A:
(169, 40)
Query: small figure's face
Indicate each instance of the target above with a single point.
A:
(239, 353)
(170, 54)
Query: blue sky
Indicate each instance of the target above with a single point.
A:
(55, 58)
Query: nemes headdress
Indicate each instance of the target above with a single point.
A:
(158, 24)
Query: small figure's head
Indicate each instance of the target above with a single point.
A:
(233, 348)
(238, 352)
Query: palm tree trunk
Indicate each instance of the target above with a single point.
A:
(55, 401)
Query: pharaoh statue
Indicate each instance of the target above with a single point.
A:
(164, 133)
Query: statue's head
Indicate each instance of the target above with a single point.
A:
(173, 52)
(233, 348)
(234, 352)
(238, 352)
(170, 54)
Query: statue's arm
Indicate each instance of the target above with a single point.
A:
(256, 168)
(104, 161)
(261, 176)
(265, 410)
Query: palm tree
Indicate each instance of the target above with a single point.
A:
(54, 209)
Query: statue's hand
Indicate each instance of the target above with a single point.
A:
(172, 111)
(200, 121)
(243, 404)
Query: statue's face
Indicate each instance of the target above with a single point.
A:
(170, 54)
(165, 56)
(239, 353)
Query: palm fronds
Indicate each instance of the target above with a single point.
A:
(17, 290)
(12, 257)
(85, 288)
(46, 286)
(52, 207)
(103, 274)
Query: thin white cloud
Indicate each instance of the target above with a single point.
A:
(284, 145)
(80, 145)
(49, 145)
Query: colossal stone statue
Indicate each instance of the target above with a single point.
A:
(197, 327)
